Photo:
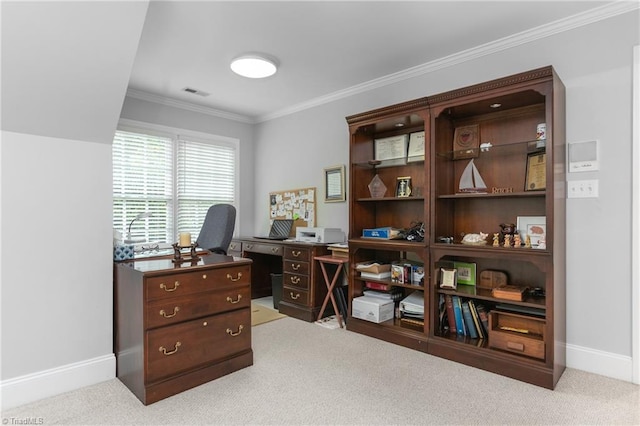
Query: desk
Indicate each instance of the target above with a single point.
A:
(331, 284)
(181, 325)
(302, 288)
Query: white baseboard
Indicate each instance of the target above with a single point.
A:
(32, 387)
(600, 362)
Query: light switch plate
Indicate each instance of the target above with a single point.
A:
(582, 188)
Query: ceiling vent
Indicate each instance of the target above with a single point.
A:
(195, 92)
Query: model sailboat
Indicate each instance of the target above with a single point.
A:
(471, 181)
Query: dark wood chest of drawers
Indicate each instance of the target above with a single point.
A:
(179, 326)
(302, 288)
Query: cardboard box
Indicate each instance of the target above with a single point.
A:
(372, 309)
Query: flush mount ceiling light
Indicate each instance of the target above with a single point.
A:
(254, 66)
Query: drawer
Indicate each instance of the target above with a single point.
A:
(181, 347)
(295, 267)
(170, 311)
(296, 281)
(294, 295)
(264, 248)
(181, 284)
(518, 334)
(295, 253)
(235, 246)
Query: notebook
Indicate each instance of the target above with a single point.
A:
(280, 229)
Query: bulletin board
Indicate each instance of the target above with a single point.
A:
(296, 204)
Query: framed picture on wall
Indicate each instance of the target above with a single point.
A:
(334, 184)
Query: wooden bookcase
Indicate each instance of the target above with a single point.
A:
(366, 212)
(506, 113)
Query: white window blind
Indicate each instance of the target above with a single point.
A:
(173, 178)
(205, 176)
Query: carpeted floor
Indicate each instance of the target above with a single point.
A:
(304, 374)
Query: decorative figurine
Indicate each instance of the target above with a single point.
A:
(517, 240)
(475, 239)
(496, 239)
(527, 241)
(507, 240)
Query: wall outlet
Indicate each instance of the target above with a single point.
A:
(582, 188)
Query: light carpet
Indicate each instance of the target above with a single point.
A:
(260, 314)
(309, 375)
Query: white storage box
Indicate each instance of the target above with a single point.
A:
(372, 309)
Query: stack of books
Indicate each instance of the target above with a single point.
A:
(394, 294)
(412, 308)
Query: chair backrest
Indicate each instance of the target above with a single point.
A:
(217, 228)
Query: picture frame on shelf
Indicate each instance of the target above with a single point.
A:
(448, 278)
(391, 151)
(536, 178)
(416, 147)
(534, 226)
(466, 274)
(334, 188)
(466, 142)
(403, 187)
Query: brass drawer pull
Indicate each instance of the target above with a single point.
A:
(164, 351)
(229, 299)
(297, 296)
(274, 249)
(165, 288)
(231, 333)
(295, 280)
(249, 246)
(295, 266)
(175, 311)
(296, 253)
(234, 279)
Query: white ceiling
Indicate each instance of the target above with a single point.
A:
(323, 47)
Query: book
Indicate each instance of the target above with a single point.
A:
(510, 292)
(468, 320)
(476, 319)
(451, 319)
(373, 276)
(484, 318)
(457, 312)
(377, 286)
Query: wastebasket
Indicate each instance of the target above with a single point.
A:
(276, 289)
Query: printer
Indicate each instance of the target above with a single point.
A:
(319, 235)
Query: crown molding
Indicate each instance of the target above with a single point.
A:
(591, 16)
(162, 100)
(543, 31)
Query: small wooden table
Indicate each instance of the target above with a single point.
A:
(340, 262)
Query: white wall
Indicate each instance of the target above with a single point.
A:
(64, 78)
(594, 62)
(57, 329)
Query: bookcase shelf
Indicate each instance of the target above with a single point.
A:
(526, 339)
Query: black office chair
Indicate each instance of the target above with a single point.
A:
(217, 228)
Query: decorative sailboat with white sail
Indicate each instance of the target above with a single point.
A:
(471, 181)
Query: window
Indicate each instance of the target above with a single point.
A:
(173, 178)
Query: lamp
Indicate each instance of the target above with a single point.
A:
(254, 65)
(138, 216)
